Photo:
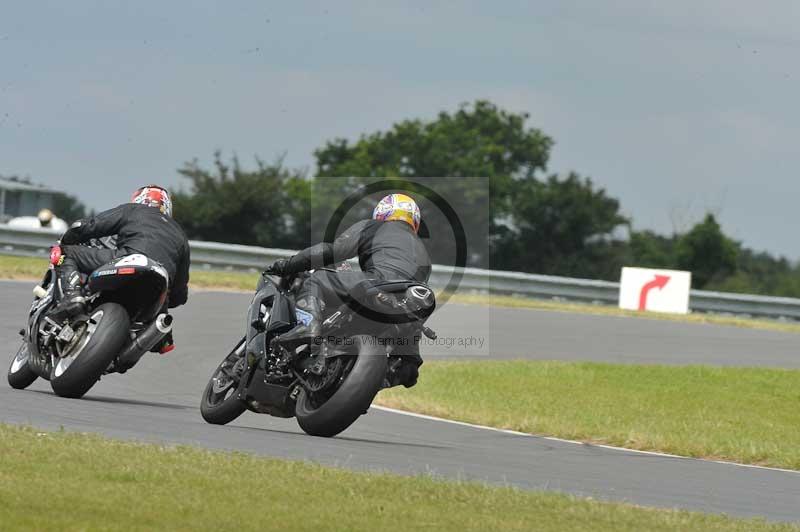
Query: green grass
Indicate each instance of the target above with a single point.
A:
(21, 267)
(747, 415)
(64, 481)
(221, 280)
(32, 268)
(607, 310)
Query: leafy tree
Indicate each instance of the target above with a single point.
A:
(488, 164)
(265, 206)
(706, 252)
(651, 250)
(477, 140)
(450, 155)
(512, 219)
(561, 227)
(761, 273)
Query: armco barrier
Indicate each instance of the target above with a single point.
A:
(214, 255)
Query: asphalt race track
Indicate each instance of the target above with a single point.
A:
(158, 401)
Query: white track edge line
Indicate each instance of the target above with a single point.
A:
(574, 442)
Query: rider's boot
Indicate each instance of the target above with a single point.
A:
(72, 301)
(309, 323)
(404, 369)
(165, 345)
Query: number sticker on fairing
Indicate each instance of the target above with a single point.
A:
(132, 260)
(160, 270)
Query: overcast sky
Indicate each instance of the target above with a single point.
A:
(676, 108)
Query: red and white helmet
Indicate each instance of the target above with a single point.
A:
(154, 196)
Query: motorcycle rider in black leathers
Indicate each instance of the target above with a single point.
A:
(387, 247)
(144, 226)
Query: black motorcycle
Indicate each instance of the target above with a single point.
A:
(327, 386)
(123, 320)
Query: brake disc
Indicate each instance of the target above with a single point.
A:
(74, 339)
(223, 381)
(333, 367)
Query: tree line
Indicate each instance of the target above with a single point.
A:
(492, 170)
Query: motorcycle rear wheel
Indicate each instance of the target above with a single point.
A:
(73, 375)
(351, 399)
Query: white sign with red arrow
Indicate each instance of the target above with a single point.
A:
(655, 290)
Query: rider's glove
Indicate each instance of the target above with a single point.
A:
(277, 268)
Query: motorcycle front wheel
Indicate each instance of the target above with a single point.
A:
(20, 374)
(219, 405)
(353, 397)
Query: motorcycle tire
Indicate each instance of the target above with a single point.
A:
(72, 376)
(352, 399)
(20, 374)
(221, 406)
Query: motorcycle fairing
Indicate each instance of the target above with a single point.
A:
(141, 283)
(271, 303)
(38, 309)
(122, 271)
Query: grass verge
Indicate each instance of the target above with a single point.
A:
(746, 415)
(606, 310)
(31, 268)
(64, 481)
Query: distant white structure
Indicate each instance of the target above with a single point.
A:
(26, 205)
(44, 220)
(21, 199)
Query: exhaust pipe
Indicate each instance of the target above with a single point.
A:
(144, 342)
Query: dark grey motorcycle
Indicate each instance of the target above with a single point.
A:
(329, 385)
(123, 320)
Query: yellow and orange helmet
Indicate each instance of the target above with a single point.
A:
(398, 207)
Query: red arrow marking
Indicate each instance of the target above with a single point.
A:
(659, 282)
